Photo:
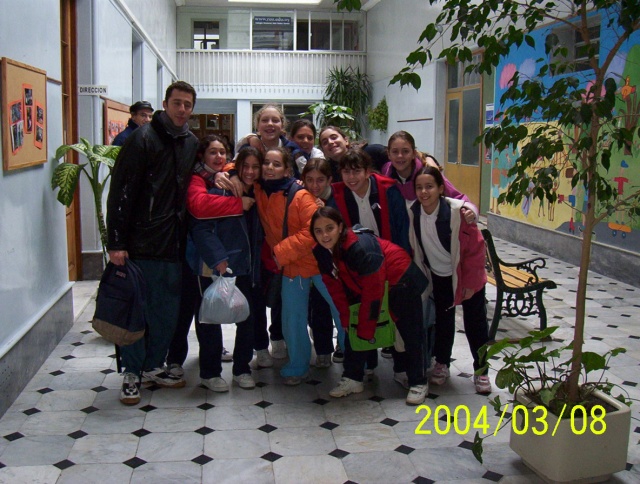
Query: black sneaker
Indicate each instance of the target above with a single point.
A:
(338, 355)
(386, 352)
(130, 391)
(163, 379)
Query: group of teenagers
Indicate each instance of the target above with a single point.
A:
(410, 239)
(307, 232)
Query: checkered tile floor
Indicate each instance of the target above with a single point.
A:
(68, 425)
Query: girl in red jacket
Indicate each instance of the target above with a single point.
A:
(453, 252)
(355, 268)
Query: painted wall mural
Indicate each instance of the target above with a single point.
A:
(618, 229)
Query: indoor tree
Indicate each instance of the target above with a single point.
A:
(346, 100)
(582, 117)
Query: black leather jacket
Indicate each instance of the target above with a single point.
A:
(146, 203)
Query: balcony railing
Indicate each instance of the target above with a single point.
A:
(232, 72)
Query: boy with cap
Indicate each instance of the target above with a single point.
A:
(141, 113)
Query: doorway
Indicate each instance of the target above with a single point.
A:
(463, 124)
(70, 129)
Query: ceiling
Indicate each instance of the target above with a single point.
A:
(324, 4)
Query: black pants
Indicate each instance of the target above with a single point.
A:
(474, 314)
(321, 323)
(405, 304)
(210, 335)
(261, 336)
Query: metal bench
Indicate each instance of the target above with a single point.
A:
(519, 287)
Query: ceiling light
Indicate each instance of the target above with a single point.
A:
(290, 2)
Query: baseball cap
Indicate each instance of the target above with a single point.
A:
(134, 108)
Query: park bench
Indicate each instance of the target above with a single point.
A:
(519, 288)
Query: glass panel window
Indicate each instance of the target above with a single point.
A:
(320, 31)
(336, 34)
(302, 35)
(273, 31)
(291, 111)
(470, 127)
(206, 35)
(578, 53)
(453, 130)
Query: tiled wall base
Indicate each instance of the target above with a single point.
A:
(609, 261)
(19, 365)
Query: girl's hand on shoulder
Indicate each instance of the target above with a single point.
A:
(468, 215)
(247, 203)
(319, 202)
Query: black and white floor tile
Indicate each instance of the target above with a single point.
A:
(68, 425)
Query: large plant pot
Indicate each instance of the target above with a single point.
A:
(567, 457)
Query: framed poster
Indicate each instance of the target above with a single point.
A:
(23, 115)
(116, 116)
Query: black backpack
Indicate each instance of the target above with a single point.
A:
(119, 316)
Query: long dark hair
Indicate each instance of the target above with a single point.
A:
(245, 153)
(429, 170)
(332, 214)
(207, 140)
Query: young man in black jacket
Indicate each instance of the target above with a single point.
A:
(146, 222)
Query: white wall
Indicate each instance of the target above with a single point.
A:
(105, 53)
(158, 19)
(33, 244)
(393, 28)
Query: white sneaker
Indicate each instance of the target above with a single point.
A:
(483, 384)
(174, 369)
(245, 380)
(323, 361)
(368, 374)
(347, 386)
(264, 359)
(278, 349)
(163, 379)
(439, 374)
(130, 390)
(417, 394)
(216, 384)
(402, 379)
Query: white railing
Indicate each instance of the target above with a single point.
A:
(235, 71)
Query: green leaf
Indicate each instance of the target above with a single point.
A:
(476, 448)
(65, 177)
(529, 40)
(593, 361)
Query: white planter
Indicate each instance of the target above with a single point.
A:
(567, 457)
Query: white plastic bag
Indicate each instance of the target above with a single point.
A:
(223, 303)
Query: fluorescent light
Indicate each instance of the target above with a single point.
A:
(290, 2)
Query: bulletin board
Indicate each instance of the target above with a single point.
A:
(116, 116)
(24, 115)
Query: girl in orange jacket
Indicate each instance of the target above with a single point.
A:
(292, 254)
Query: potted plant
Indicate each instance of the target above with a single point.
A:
(67, 175)
(575, 111)
(379, 116)
(560, 439)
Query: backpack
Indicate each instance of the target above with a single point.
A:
(119, 316)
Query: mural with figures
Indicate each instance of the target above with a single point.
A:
(618, 229)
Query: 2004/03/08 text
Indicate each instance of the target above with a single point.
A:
(461, 422)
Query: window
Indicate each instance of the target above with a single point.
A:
(206, 35)
(272, 32)
(291, 111)
(463, 114)
(578, 53)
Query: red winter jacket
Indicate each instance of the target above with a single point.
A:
(365, 264)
